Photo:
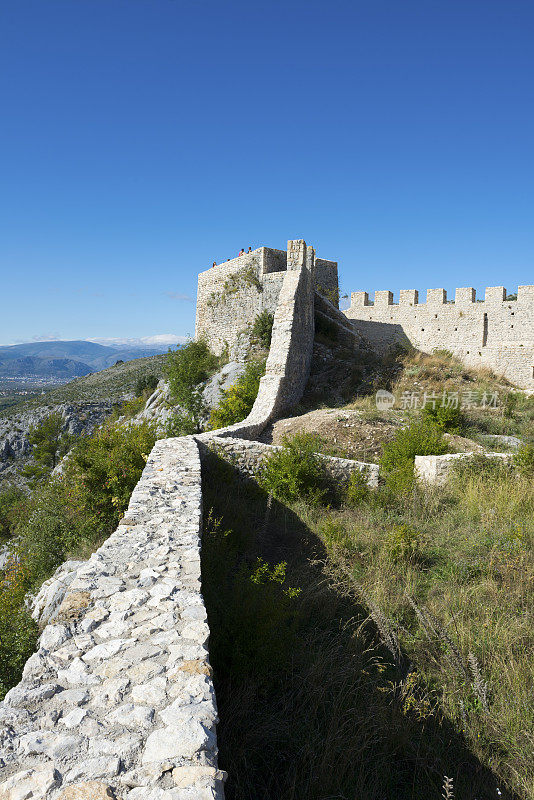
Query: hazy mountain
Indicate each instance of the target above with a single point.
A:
(63, 360)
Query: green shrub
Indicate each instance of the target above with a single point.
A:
(357, 490)
(237, 400)
(110, 463)
(262, 328)
(446, 418)
(251, 606)
(12, 504)
(403, 543)
(49, 444)
(146, 384)
(295, 471)
(130, 408)
(60, 520)
(420, 438)
(524, 459)
(185, 369)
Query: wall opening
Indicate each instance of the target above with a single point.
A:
(485, 331)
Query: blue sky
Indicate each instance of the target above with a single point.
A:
(142, 139)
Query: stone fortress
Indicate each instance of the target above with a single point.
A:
(495, 332)
(118, 701)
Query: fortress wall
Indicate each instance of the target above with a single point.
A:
(495, 333)
(326, 279)
(290, 354)
(119, 695)
(248, 457)
(231, 294)
(228, 300)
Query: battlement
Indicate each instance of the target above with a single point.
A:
(495, 331)
(463, 296)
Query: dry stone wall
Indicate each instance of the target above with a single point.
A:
(496, 333)
(118, 700)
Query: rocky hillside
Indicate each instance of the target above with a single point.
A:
(83, 403)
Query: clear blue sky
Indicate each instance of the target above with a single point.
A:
(142, 139)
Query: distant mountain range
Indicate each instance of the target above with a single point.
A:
(65, 360)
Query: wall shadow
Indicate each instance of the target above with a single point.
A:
(304, 689)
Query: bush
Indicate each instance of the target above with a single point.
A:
(403, 543)
(295, 472)
(237, 400)
(524, 460)
(446, 418)
(262, 328)
(12, 503)
(185, 369)
(49, 444)
(251, 605)
(110, 463)
(145, 385)
(420, 438)
(357, 490)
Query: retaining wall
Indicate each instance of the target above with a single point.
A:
(436, 470)
(248, 458)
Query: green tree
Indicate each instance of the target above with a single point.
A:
(49, 445)
(186, 369)
(12, 502)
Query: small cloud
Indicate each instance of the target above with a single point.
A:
(178, 296)
(47, 337)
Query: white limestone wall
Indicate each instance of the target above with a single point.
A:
(221, 314)
(436, 470)
(248, 457)
(290, 354)
(118, 701)
(495, 333)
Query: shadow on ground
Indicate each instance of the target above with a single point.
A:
(306, 694)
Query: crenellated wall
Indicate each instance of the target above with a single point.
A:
(495, 333)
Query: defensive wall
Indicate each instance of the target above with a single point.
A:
(233, 293)
(118, 700)
(495, 333)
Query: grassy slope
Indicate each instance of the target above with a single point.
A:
(457, 699)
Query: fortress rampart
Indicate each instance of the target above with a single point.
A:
(231, 294)
(495, 333)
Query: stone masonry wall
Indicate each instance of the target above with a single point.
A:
(249, 456)
(496, 333)
(290, 354)
(118, 700)
(231, 294)
(436, 470)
